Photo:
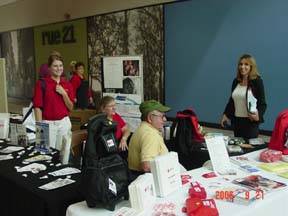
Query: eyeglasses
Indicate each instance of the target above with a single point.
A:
(163, 117)
(111, 105)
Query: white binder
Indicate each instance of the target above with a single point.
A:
(166, 173)
(4, 125)
(142, 192)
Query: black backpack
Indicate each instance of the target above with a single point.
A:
(105, 175)
(185, 137)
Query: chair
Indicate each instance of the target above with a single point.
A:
(78, 139)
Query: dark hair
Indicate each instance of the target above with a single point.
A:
(78, 64)
(54, 57)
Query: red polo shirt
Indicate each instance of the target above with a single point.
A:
(53, 105)
(76, 82)
(121, 124)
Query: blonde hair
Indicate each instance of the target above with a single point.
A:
(72, 63)
(104, 102)
(253, 74)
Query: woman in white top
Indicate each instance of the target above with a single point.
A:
(247, 103)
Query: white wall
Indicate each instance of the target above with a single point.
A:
(29, 13)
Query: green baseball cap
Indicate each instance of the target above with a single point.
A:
(151, 105)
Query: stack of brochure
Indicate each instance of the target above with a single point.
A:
(243, 160)
(275, 166)
(259, 183)
(246, 164)
(166, 173)
(142, 192)
(45, 136)
(283, 174)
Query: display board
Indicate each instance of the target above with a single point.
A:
(123, 74)
(123, 80)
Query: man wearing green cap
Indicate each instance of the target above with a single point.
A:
(147, 142)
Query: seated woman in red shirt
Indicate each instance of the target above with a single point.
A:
(108, 106)
(77, 81)
(54, 103)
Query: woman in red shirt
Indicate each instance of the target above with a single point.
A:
(54, 102)
(77, 81)
(108, 106)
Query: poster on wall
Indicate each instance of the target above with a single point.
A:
(123, 74)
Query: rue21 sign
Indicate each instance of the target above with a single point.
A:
(65, 35)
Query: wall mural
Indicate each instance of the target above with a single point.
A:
(133, 32)
(17, 47)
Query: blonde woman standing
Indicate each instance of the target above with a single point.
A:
(248, 83)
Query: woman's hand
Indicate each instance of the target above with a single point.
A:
(123, 144)
(60, 90)
(91, 102)
(253, 116)
(224, 120)
(68, 103)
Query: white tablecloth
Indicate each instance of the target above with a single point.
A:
(273, 203)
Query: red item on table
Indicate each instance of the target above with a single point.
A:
(185, 179)
(192, 204)
(209, 175)
(198, 192)
(198, 207)
(270, 155)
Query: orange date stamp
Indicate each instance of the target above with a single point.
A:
(248, 194)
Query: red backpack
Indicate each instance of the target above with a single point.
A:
(191, 116)
(279, 135)
(185, 132)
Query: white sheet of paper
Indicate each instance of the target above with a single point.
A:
(65, 171)
(6, 157)
(57, 183)
(113, 73)
(218, 154)
(34, 168)
(252, 102)
(37, 158)
(11, 149)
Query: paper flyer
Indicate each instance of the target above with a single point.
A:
(57, 184)
(65, 171)
(218, 154)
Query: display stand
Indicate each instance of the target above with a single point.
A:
(123, 80)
